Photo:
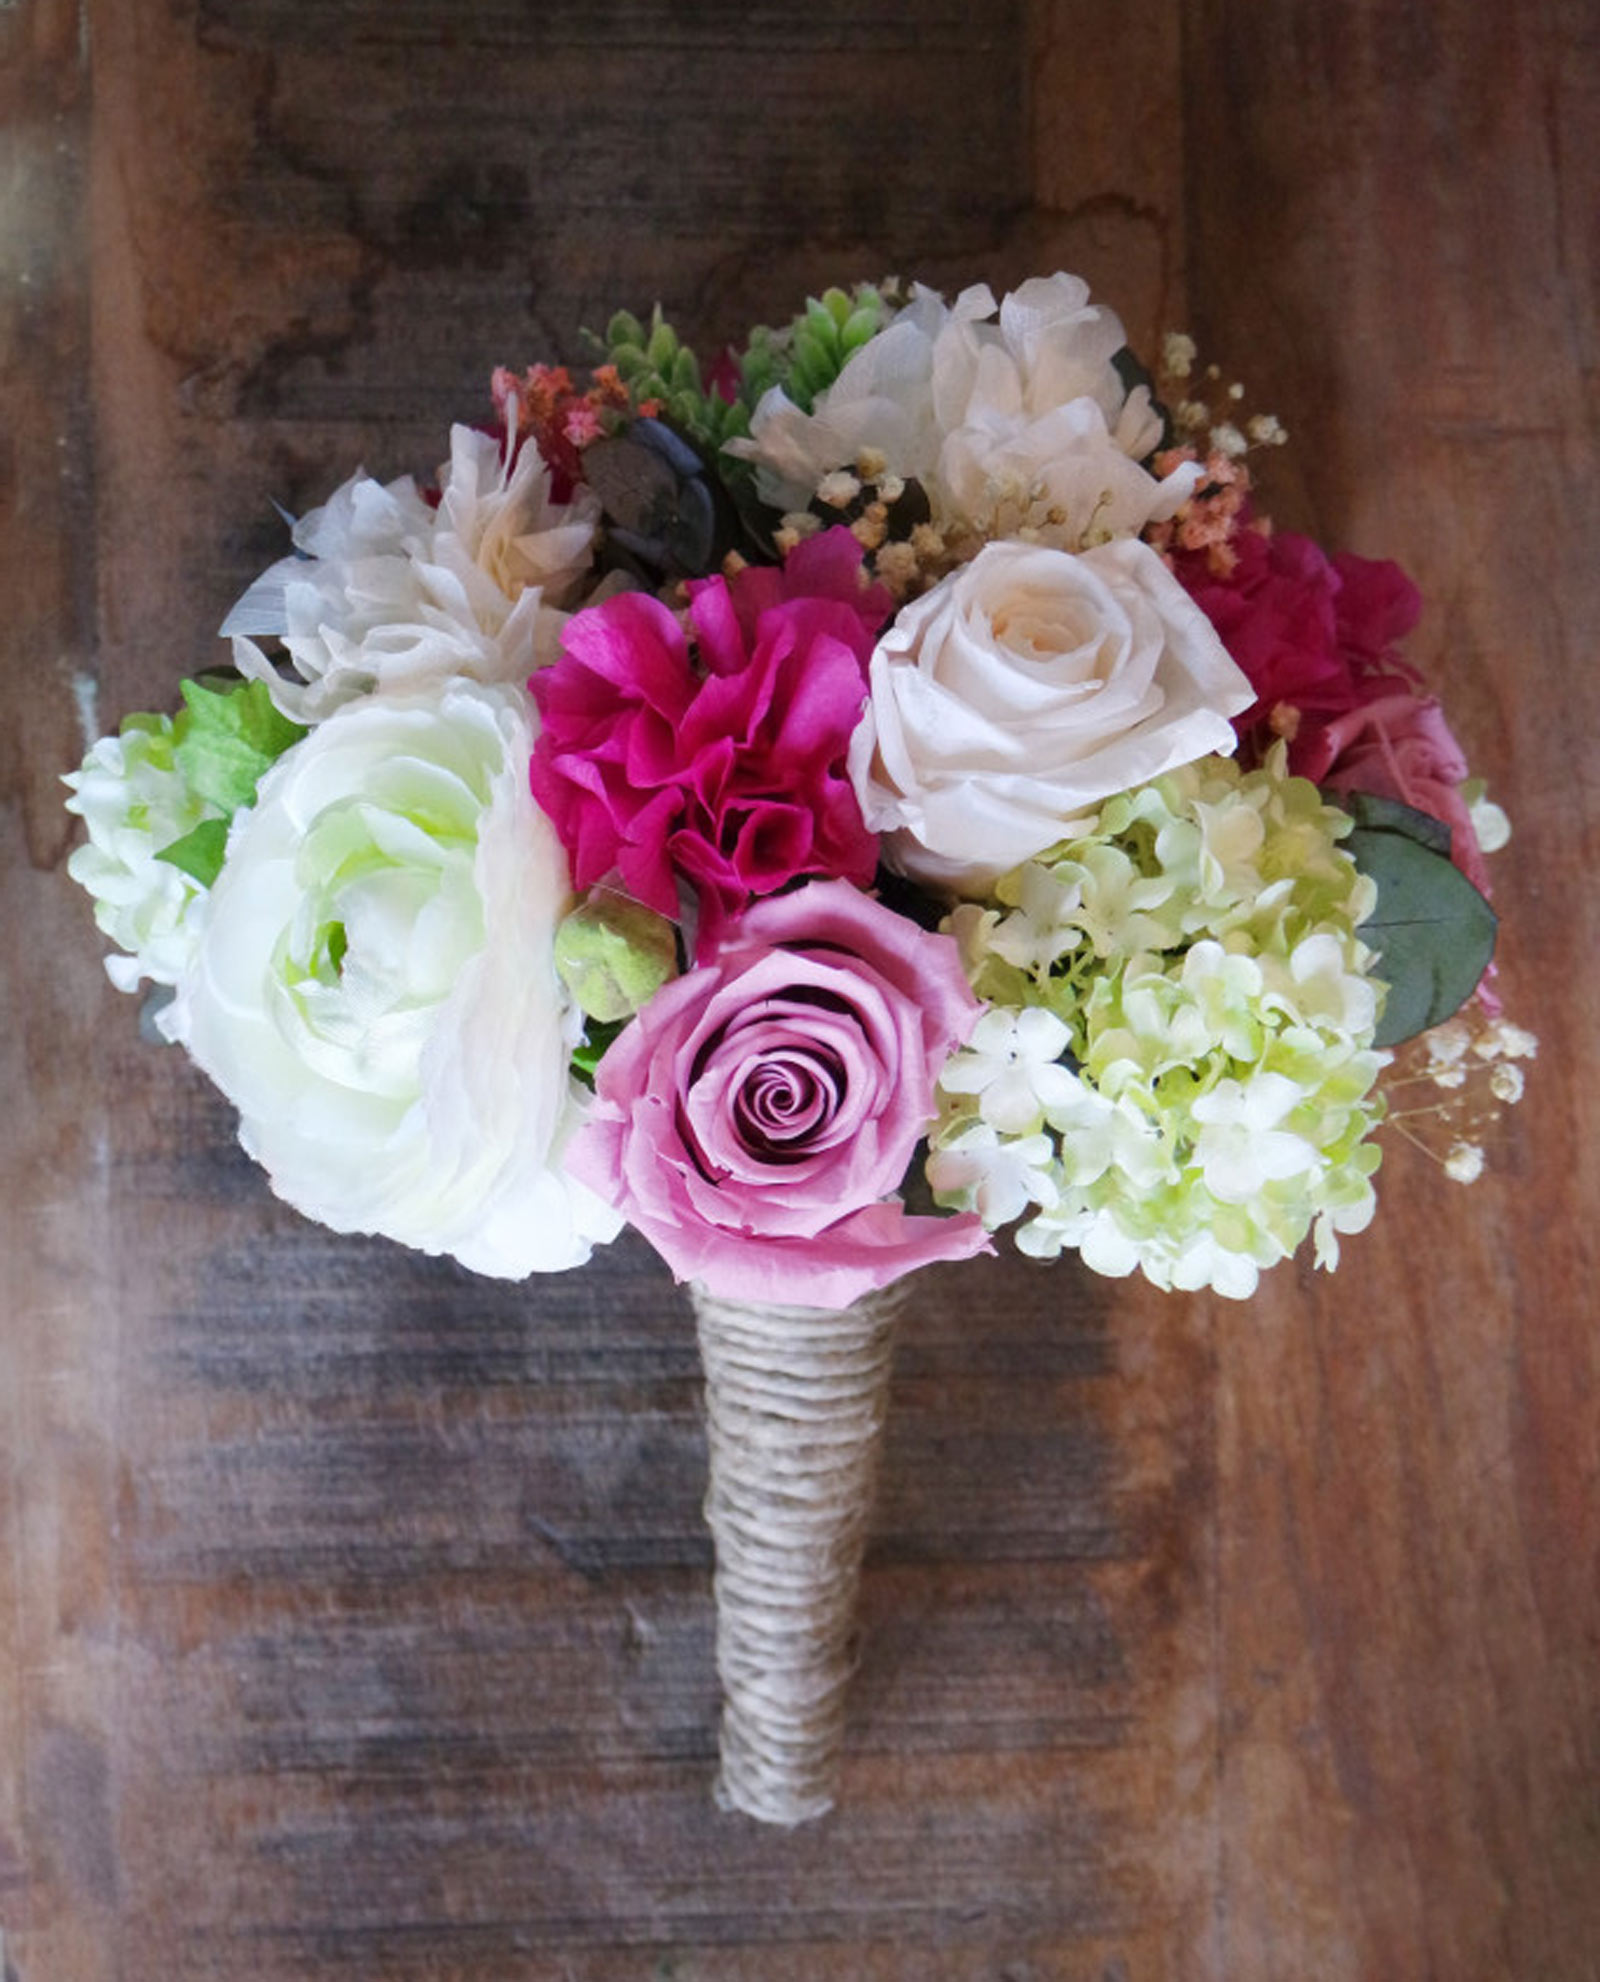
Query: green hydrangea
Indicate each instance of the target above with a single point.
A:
(1214, 1094)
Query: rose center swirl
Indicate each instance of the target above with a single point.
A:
(786, 1098)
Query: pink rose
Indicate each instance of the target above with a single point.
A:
(1399, 746)
(718, 760)
(757, 1118)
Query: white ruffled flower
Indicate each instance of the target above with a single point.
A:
(390, 593)
(376, 989)
(1020, 424)
(976, 1168)
(135, 801)
(1011, 1064)
(1241, 1147)
(1011, 700)
(1098, 1135)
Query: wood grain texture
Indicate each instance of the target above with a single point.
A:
(1395, 238)
(355, 1613)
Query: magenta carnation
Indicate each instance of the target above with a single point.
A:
(716, 755)
(1320, 637)
(756, 1119)
(1315, 635)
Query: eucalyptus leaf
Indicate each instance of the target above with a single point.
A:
(1389, 815)
(673, 448)
(690, 538)
(635, 484)
(1433, 931)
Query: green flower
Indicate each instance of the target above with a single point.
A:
(1200, 947)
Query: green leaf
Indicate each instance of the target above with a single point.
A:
(625, 328)
(815, 355)
(199, 854)
(227, 737)
(860, 328)
(1388, 815)
(1433, 931)
(592, 1048)
(663, 345)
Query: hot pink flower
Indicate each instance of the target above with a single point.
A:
(729, 774)
(1320, 637)
(757, 1117)
(1315, 635)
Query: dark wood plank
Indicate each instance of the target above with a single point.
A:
(1395, 240)
(56, 1848)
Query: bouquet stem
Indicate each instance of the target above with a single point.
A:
(795, 1404)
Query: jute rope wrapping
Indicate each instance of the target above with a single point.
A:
(795, 1403)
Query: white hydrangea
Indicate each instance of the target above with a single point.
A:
(1011, 1064)
(135, 801)
(976, 1168)
(387, 591)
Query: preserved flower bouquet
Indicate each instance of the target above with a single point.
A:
(899, 752)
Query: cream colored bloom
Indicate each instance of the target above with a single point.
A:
(1241, 1146)
(389, 593)
(1012, 421)
(1030, 685)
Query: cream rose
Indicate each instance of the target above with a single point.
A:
(1010, 700)
(376, 992)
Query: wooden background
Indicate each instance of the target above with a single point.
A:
(354, 1614)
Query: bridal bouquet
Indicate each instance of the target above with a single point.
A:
(824, 808)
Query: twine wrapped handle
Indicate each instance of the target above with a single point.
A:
(795, 1404)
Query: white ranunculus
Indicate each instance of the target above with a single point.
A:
(1010, 424)
(376, 989)
(135, 801)
(387, 592)
(1011, 700)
